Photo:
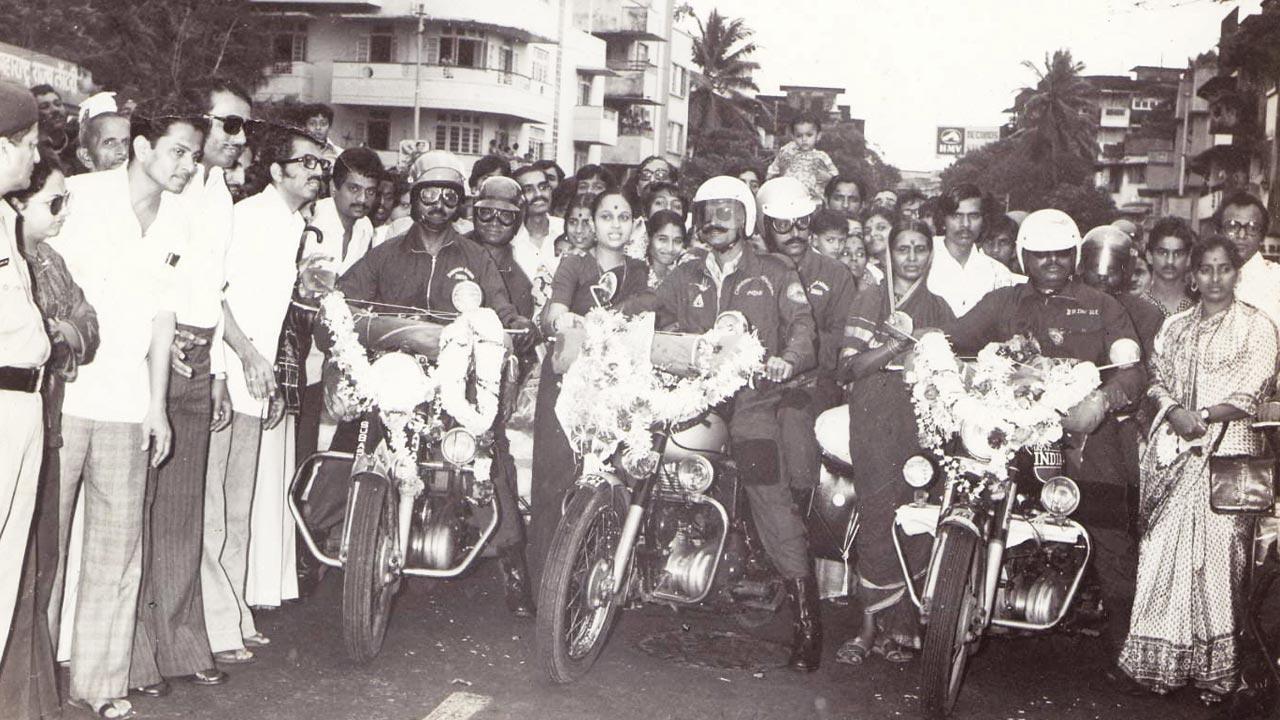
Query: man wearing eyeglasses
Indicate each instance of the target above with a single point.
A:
(788, 209)
(261, 270)
(535, 242)
(961, 273)
(1244, 218)
(170, 639)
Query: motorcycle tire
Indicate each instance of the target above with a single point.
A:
(369, 582)
(570, 633)
(946, 647)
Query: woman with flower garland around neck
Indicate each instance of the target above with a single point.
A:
(602, 276)
(667, 244)
(878, 398)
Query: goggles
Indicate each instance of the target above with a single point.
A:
(431, 194)
(719, 211)
(487, 214)
(786, 225)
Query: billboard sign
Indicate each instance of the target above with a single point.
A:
(951, 141)
(955, 141)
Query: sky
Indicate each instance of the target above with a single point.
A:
(909, 66)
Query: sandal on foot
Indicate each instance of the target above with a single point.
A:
(234, 657)
(257, 640)
(854, 651)
(210, 677)
(110, 709)
(893, 651)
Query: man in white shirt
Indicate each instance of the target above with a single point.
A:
(535, 244)
(24, 348)
(170, 639)
(126, 247)
(961, 273)
(261, 272)
(346, 234)
(1243, 218)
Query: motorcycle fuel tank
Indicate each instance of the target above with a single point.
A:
(708, 435)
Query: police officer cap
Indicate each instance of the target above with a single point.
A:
(724, 187)
(785, 198)
(1048, 230)
(438, 167)
(500, 193)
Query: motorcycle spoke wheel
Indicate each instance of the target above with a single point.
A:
(946, 641)
(576, 605)
(370, 579)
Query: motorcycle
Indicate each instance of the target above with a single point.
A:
(430, 517)
(1007, 556)
(673, 532)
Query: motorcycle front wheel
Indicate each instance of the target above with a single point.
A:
(369, 580)
(576, 609)
(946, 644)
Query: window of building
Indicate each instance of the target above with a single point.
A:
(379, 46)
(584, 89)
(288, 45)
(580, 156)
(679, 81)
(541, 64)
(1114, 179)
(1114, 111)
(1138, 174)
(537, 142)
(675, 138)
(378, 130)
(1144, 104)
(462, 47)
(458, 133)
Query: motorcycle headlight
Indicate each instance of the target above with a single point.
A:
(976, 439)
(458, 446)
(1060, 496)
(694, 474)
(917, 471)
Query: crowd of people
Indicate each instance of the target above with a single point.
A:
(159, 384)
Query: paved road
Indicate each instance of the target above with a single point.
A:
(453, 653)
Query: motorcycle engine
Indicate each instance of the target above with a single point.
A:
(688, 538)
(439, 534)
(1035, 586)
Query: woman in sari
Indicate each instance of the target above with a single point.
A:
(1211, 367)
(601, 276)
(878, 398)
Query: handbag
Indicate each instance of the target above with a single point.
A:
(1241, 484)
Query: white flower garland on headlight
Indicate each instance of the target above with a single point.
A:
(612, 394)
(471, 346)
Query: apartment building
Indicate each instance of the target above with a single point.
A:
(527, 75)
(1136, 135)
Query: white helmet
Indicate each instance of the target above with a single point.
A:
(724, 187)
(785, 198)
(1048, 230)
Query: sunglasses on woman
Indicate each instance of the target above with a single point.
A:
(785, 225)
(487, 214)
(58, 203)
(309, 161)
(434, 193)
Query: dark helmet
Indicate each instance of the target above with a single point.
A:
(1106, 259)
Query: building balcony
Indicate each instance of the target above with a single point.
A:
(595, 125)
(630, 150)
(633, 89)
(529, 24)
(287, 80)
(1114, 118)
(444, 87)
(621, 20)
(630, 64)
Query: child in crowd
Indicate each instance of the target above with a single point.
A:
(801, 159)
(829, 234)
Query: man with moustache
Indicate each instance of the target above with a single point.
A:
(497, 213)
(787, 210)
(766, 289)
(127, 248)
(54, 133)
(171, 639)
(1070, 319)
(961, 273)
(104, 142)
(535, 243)
(1244, 218)
(261, 270)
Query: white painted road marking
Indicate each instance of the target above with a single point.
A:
(459, 706)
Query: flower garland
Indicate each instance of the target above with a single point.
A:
(397, 384)
(612, 394)
(1010, 398)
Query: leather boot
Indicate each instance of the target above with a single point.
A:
(515, 582)
(806, 639)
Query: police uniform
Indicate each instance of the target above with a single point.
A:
(830, 289)
(1078, 322)
(768, 291)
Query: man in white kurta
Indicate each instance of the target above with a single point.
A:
(261, 271)
(534, 246)
(960, 272)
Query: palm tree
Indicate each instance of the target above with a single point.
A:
(721, 49)
(1057, 119)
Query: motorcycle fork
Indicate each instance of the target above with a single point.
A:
(995, 555)
(630, 531)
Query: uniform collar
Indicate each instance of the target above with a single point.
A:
(414, 244)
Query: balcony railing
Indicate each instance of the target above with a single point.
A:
(442, 86)
(631, 64)
(437, 71)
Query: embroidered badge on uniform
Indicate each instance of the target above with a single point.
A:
(1056, 336)
(795, 293)
(461, 273)
(697, 302)
(818, 288)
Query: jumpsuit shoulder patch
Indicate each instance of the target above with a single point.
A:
(795, 293)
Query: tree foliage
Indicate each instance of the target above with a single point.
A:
(153, 50)
(722, 49)
(848, 150)
(1056, 117)
(718, 153)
